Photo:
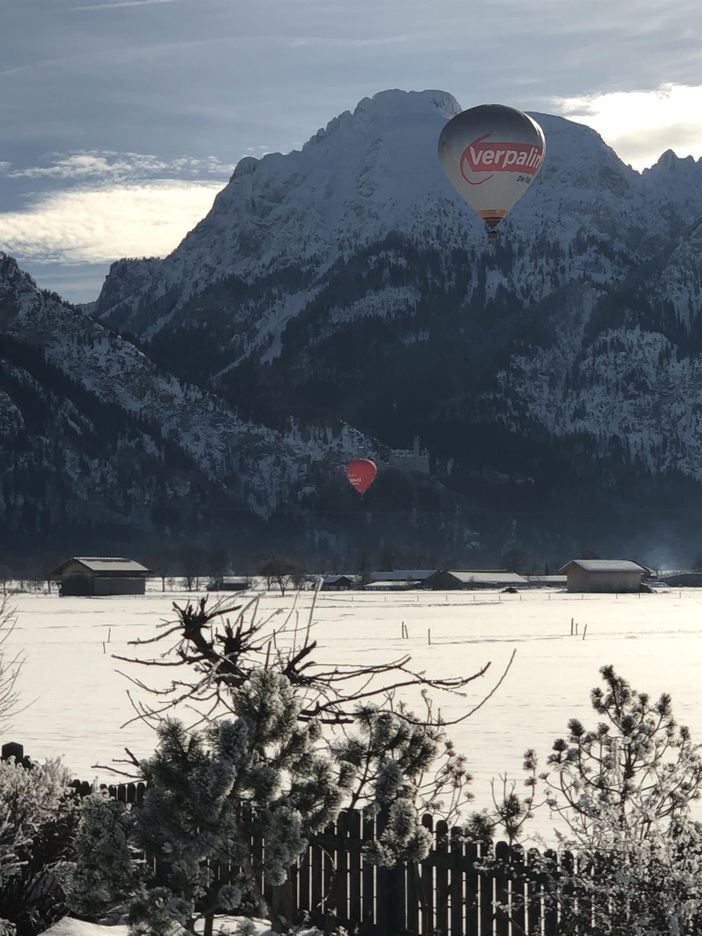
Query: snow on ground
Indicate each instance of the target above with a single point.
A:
(224, 926)
(76, 699)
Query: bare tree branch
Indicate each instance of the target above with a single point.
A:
(224, 643)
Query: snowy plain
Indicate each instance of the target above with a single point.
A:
(224, 926)
(76, 700)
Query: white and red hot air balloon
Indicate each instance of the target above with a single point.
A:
(491, 155)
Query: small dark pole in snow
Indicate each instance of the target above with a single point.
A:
(429, 636)
(584, 631)
(571, 627)
(109, 634)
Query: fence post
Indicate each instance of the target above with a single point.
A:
(441, 863)
(391, 893)
(534, 893)
(457, 882)
(502, 875)
(391, 900)
(426, 881)
(368, 879)
(550, 893)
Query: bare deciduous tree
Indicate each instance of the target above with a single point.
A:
(10, 666)
(220, 646)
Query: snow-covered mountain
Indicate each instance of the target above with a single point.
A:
(554, 378)
(99, 445)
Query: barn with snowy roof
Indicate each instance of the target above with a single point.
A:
(448, 579)
(603, 575)
(98, 576)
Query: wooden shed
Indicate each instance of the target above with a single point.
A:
(230, 583)
(603, 575)
(338, 582)
(448, 579)
(400, 578)
(100, 575)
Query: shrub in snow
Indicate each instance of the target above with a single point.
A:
(158, 912)
(105, 874)
(38, 818)
(622, 885)
(624, 790)
(637, 769)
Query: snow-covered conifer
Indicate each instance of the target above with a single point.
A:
(209, 792)
(105, 874)
(395, 758)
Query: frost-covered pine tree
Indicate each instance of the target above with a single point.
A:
(624, 790)
(209, 792)
(403, 767)
(106, 874)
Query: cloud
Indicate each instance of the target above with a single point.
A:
(120, 3)
(99, 225)
(640, 125)
(117, 166)
(350, 42)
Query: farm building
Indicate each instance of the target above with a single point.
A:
(447, 579)
(230, 583)
(396, 578)
(338, 582)
(603, 575)
(547, 581)
(683, 579)
(98, 576)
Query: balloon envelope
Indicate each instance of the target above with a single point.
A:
(491, 155)
(361, 474)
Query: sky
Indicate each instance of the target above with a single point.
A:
(121, 119)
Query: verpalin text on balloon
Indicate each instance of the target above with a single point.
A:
(480, 156)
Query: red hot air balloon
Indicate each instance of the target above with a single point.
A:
(491, 155)
(361, 474)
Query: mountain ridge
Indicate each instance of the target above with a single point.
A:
(554, 379)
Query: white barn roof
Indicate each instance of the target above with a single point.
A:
(487, 578)
(604, 565)
(105, 564)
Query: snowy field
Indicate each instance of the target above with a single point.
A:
(76, 700)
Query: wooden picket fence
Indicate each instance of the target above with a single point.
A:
(460, 889)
